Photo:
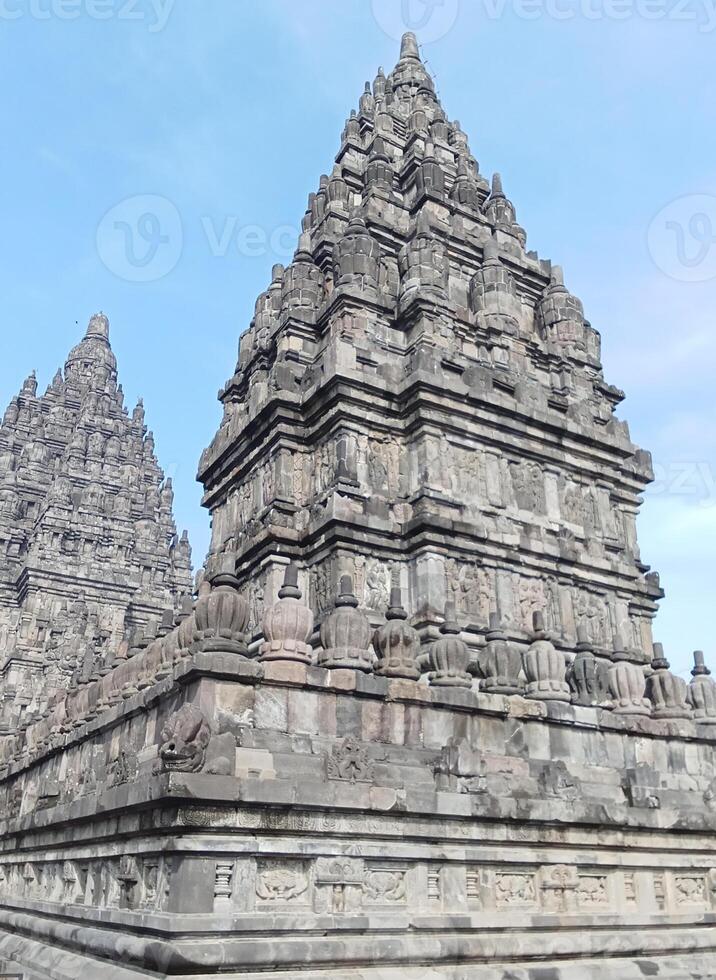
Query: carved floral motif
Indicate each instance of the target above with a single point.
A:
(280, 883)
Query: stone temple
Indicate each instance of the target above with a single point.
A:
(90, 563)
(413, 723)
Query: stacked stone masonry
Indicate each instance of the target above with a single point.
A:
(413, 725)
(90, 561)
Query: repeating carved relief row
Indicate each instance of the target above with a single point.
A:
(123, 882)
(487, 484)
(351, 883)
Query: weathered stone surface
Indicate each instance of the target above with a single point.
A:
(456, 770)
(91, 568)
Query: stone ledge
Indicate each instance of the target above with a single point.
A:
(193, 956)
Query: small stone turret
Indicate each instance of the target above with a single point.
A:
(448, 660)
(493, 296)
(667, 692)
(379, 171)
(302, 282)
(544, 667)
(356, 257)
(501, 663)
(346, 634)
(288, 624)
(423, 264)
(702, 692)
(500, 212)
(562, 317)
(465, 191)
(430, 178)
(397, 644)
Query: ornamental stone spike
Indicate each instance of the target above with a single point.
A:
(667, 692)
(588, 678)
(702, 691)
(501, 662)
(346, 634)
(288, 624)
(447, 662)
(397, 644)
(544, 666)
(627, 682)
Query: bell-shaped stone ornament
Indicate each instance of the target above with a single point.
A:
(356, 257)
(222, 615)
(545, 667)
(588, 678)
(430, 177)
(702, 692)
(346, 634)
(667, 692)
(627, 683)
(397, 644)
(423, 264)
(288, 624)
(501, 663)
(448, 660)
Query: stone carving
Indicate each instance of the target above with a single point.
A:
(280, 883)
(556, 780)
(349, 761)
(448, 658)
(128, 878)
(627, 683)
(501, 662)
(385, 886)
(667, 692)
(588, 677)
(559, 888)
(343, 880)
(346, 633)
(690, 889)
(397, 644)
(515, 890)
(592, 890)
(185, 738)
(377, 586)
(471, 589)
(288, 624)
(544, 667)
(123, 769)
(702, 692)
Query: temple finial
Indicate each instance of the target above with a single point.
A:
(98, 326)
(497, 190)
(409, 47)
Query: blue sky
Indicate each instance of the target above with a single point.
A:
(600, 114)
